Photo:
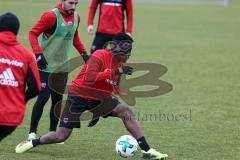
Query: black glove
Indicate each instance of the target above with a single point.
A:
(85, 57)
(124, 70)
(41, 61)
(93, 122)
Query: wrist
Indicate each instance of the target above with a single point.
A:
(83, 53)
(38, 53)
(129, 33)
(119, 70)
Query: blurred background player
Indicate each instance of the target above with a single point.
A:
(19, 76)
(92, 90)
(51, 39)
(112, 15)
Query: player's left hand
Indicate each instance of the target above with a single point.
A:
(90, 29)
(124, 70)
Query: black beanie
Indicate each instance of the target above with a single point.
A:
(122, 37)
(9, 22)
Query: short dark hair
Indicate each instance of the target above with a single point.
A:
(122, 37)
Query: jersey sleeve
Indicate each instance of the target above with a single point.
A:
(92, 10)
(94, 71)
(77, 43)
(47, 21)
(129, 11)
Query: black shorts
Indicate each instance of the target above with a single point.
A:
(79, 109)
(100, 41)
(6, 130)
(53, 82)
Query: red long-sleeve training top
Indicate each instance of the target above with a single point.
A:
(97, 79)
(47, 25)
(112, 15)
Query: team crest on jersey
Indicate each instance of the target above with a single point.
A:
(68, 36)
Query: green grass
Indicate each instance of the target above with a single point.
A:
(200, 47)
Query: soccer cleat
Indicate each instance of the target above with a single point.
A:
(153, 154)
(24, 146)
(60, 143)
(32, 136)
(93, 122)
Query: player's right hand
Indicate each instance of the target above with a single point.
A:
(128, 33)
(41, 61)
(85, 57)
(90, 29)
(124, 70)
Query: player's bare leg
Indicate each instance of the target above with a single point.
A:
(55, 137)
(126, 114)
(51, 137)
(131, 124)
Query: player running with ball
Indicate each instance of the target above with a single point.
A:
(92, 90)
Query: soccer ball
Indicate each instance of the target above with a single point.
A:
(126, 146)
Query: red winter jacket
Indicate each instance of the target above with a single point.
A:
(18, 69)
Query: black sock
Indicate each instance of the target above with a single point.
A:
(143, 144)
(36, 142)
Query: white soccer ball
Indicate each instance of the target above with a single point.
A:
(126, 146)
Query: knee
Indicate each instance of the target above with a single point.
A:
(63, 137)
(126, 114)
(43, 97)
(41, 101)
(56, 99)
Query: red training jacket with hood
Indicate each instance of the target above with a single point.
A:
(18, 69)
